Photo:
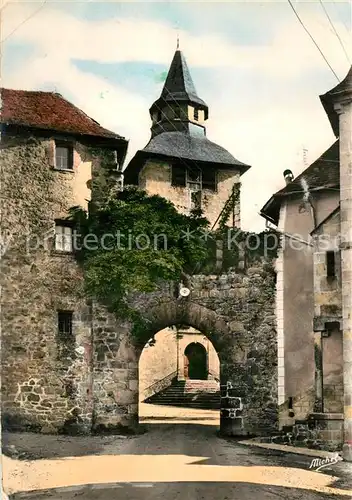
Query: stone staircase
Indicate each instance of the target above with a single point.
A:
(202, 394)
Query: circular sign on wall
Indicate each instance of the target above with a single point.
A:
(184, 292)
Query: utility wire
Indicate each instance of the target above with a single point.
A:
(24, 21)
(348, 29)
(335, 31)
(311, 37)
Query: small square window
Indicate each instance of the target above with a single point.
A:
(196, 114)
(63, 238)
(63, 156)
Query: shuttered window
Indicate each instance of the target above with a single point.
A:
(209, 179)
(178, 175)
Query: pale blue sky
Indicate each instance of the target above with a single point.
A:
(251, 62)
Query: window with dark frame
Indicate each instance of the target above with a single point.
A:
(196, 114)
(194, 178)
(63, 237)
(64, 320)
(330, 264)
(178, 175)
(65, 335)
(209, 179)
(63, 156)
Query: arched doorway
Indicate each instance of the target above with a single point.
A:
(196, 362)
(130, 355)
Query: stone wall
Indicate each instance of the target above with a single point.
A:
(155, 178)
(40, 390)
(157, 361)
(327, 290)
(235, 311)
(96, 386)
(328, 311)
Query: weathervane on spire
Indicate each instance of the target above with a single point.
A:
(177, 37)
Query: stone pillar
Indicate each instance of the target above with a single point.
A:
(231, 409)
(344, 109)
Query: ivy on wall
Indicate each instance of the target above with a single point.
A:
(132, 242)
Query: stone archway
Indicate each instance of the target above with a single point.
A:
(196, 362)
(239, 322)
(116, 375)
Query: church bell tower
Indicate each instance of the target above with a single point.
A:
(179, 162)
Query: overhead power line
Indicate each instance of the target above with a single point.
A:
(348, 28)
(24, 21)
(311, 37)
(335, 31)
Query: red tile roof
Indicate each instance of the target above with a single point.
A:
(48, 110)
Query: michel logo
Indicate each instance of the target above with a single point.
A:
(320, 463)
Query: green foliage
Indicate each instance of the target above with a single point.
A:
(229, 206)
(133, 242)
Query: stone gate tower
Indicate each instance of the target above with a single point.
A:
(179, 162)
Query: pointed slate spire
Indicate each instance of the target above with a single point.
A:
(179, 87)
(179, 84)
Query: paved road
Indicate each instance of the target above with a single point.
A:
(174, 462)
(183, 491)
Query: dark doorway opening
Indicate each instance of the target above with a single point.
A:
(196, 362)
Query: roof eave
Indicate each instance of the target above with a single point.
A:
(133, 167)
(45, 130)
(331, 113)
(272, 206)
(162, 101)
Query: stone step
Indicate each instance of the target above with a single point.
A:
(194, 405)
(203, 394)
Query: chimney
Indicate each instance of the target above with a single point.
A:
(288, 176)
